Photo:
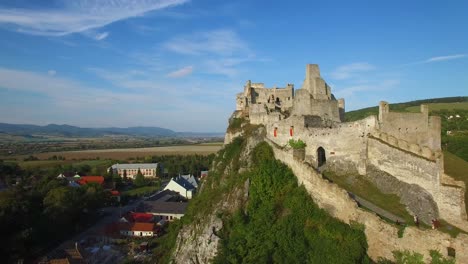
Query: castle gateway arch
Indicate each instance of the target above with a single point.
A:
(321, 158)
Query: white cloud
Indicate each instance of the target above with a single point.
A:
(349, 91)
(101, 36)
(69, 17)
(219, 42)
(181, 72)
(51, 72)
(350, 70)
(445, 58)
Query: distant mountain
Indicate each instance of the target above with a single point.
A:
(73, 131)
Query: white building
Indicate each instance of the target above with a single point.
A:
(137, 229)
(150, 170)
(183, 185)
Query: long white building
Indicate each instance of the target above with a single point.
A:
(150, 170)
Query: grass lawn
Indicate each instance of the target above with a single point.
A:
(94, 163)
(360, 186)
(141, 191)
(42, 163)
(457, 168)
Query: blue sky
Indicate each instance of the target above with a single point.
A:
(179, 63)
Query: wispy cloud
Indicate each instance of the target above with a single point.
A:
(220, 42)
(437, 59)
(445, 58)
(349, 91)
(181, 72)
(350, 70)
(217, 52)
(68, 17)
(101, 36)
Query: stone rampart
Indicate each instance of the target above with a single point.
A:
(382, 237)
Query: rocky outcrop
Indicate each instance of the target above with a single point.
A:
(198, 241)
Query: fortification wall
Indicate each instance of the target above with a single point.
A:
(416, 128)
(382, 237)
(344, 143)
(414, 169)
(269, 96)
(304, 104)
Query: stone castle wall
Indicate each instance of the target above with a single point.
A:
(416, 128)
(382, 237)
(405, 146)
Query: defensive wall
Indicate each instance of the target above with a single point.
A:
(382, 237)
(392, 149)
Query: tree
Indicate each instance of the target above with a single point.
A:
(139, 179)
(125, 176)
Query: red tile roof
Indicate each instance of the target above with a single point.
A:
(90, 179)
(142, 217)
(115, 193)
(144, 227)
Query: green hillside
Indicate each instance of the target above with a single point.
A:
(454, 116)
(280, 223)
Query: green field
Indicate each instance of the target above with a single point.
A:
(141, 191)
(436, 104)
(440, 106)
(362, 187)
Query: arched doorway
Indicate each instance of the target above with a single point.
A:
(321, 158)
(278, 101)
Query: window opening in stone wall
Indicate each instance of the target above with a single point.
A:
(451, 252)
(321, 157)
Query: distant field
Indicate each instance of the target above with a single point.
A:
(440, 106)
(122, 154)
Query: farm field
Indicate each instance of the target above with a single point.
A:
(126, 153)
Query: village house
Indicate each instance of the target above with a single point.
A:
(167, 211)
(150, 170)
(137, 229)
(185, 185)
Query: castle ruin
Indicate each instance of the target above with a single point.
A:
(399, 152)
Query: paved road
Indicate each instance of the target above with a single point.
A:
(363, 202)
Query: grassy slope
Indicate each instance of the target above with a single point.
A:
(458, 169)
(280, 222)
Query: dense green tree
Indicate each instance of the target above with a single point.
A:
(139, 179)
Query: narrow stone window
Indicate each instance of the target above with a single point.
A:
(451, 252)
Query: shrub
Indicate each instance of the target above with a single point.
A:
(297, 144)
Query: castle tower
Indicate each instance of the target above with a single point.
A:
(383, 110)
(315, 84)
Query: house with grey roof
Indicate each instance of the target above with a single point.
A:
(184, 185)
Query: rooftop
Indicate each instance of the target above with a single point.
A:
(164, 207)
(135, 166)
